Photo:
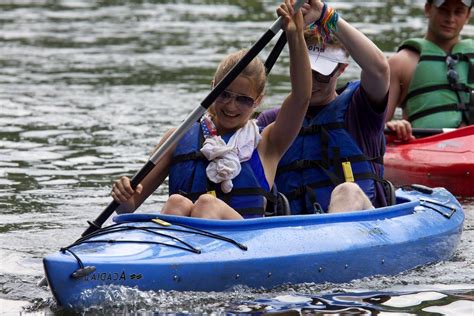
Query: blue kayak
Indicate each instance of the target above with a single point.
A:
(157, 252)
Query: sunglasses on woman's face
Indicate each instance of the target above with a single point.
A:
(241, 100)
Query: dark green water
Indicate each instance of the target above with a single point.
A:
(87, 88)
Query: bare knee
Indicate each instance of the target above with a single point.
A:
(208, 206)
(348, 196)
(205, 206)
(177, 205)
(346, 189)
(205, 200)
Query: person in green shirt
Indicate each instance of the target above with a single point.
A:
(429, 77)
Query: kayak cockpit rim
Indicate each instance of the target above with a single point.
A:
(405, 206)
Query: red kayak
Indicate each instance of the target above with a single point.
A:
(443, 160)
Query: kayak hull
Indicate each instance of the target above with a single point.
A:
(444, 160)
(270, 251)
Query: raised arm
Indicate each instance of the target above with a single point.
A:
(375, 70)
(277, 137)
(375, 75)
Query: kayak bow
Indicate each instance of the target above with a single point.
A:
(443, 160)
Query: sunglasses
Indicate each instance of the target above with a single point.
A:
(453, 79)
(241, 100)
(324, 78)
(452, 74)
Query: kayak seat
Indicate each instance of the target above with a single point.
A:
(389, 189)
(281, 207)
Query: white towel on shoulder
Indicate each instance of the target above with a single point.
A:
(225, 158)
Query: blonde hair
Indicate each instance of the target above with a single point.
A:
(255, 70)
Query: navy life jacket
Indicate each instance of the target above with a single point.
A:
(188, 177)
(322, 156)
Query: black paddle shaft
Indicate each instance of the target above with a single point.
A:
(275, 53)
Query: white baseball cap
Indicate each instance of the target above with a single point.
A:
(438, 3)
(325, 59)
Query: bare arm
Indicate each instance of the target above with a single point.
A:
(130, 199)
(375, 75)
(394, 96)
(277, 137)
(402, 66)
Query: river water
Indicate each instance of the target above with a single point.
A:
(86, 90)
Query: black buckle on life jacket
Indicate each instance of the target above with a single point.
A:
(185, 194)
(317, 208)
(303, 164)
(297, 193)
(310, 130)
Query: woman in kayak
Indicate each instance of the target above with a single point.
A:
(233, 181)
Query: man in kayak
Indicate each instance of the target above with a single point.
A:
(432, 78)
(335, 164)
(224, 167)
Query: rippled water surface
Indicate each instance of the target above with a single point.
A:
(87, 88)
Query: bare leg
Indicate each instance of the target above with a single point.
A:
(208, 206)
(177, 205)
(347, 197)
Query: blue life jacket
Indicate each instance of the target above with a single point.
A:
(322, 156)
(188, 177)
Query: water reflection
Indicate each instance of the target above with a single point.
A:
(250, 302)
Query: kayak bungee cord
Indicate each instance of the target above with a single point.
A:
(209, 234)
(191, 229)
(86, 270)
(146, 229)
(426, 202)
(452, 209)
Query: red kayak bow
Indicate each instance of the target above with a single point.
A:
(443, 160)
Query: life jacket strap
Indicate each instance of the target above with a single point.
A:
(302, 191)
(456, 56)
(444, 108)
(196, 155)
(316, 129)
(226, 197)
(303, 164)
(454, 87)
